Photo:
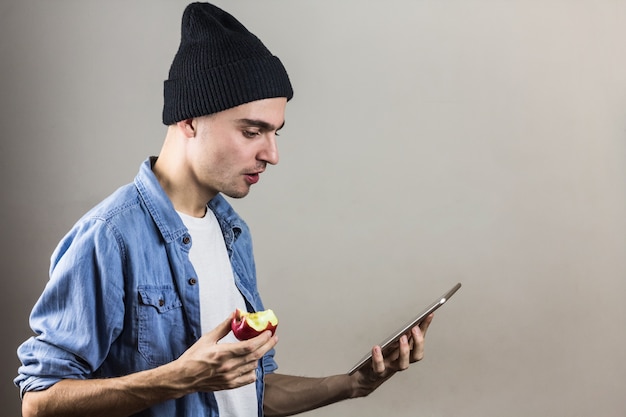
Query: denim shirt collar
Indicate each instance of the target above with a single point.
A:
(168, 221)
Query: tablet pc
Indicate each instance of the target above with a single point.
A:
(395, 336)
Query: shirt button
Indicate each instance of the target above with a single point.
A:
(192, 281)
(186, 240)
(161, 302)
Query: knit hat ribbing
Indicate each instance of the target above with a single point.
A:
(219, 65)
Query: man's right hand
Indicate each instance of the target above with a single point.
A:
(212, 366)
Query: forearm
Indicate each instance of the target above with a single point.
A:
(111, 397)
(286, 395)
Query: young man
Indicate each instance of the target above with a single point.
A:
(135, 319)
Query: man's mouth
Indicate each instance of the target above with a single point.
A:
(252, 178)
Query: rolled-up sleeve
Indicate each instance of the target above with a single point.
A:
(79, 313)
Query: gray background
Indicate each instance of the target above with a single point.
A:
(428, 142)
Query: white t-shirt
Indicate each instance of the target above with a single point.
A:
(219, 297)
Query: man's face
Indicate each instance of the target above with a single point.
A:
(233, 147)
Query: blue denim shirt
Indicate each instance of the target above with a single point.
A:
(123, 296)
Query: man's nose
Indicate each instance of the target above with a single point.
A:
(269, 153)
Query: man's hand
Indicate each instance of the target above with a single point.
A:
(209, 366)
(406, 351)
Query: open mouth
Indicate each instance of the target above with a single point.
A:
(252, 178)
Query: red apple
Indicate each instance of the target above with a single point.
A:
(248, 325)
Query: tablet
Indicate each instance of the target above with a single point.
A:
(395, 336)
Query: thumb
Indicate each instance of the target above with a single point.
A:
(222, 329)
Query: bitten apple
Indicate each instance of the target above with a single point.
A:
(248, 325)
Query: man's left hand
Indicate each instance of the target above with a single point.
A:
(408, 350)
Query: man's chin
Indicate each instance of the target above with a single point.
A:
(236, 193)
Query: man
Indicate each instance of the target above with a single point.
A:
(135, 319)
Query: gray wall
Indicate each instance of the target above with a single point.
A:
(428, 142)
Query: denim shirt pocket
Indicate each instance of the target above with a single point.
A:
(161, 333)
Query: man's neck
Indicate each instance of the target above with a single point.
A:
(185, 198)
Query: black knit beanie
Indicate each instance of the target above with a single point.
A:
(219, 65)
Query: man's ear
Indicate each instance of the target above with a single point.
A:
(188, 127)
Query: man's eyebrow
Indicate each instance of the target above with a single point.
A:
(259, 123)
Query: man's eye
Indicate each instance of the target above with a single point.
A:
(250, 134)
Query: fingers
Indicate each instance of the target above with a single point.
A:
(256, 346)
(378, 361)
(418, 335)
(426, 323)
(245, 358)
(417, 353)
(245, 347)
(404, 357)
(241, 375)
(250, 351)
(409, 349)
(396, 359)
